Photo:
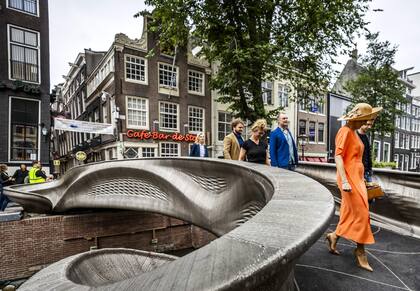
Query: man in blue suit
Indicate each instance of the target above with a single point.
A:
(283, 151)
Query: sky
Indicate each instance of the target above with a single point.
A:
(79, 24)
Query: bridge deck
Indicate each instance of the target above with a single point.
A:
(394, 257)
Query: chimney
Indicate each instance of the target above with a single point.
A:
(354, 54)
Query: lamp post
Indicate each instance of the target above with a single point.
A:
(302, 142)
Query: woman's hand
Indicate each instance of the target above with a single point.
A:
(346, 187)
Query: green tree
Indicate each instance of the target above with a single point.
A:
(378, 84)
(252, 41)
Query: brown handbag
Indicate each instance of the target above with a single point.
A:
(374, 190)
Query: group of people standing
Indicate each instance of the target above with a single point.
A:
(21, 176)
(282, 152)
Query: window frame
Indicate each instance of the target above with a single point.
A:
(9, 53)
(203, 119)
(378, 157)
(164, 89)
(315, 132)
(281, 90)
(388, 157)
(147, 126)
(228, 123)
(299, 127)
(202, 93)
(160, 119)
(173, 143)
(146, 70)
(10, 132)
(323, 133)
(23, 11)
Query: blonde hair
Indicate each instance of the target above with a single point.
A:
(260, 124)
(197, 138)
(3, 167)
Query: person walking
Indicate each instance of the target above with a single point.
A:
(367, 156)
(36, 175)
(283, 150)
(199, 148)
(20, 174)
(5, 180)
(354, 222)
(254, 149)
(232, 142)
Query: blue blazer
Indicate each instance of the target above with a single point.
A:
(279, 149)
(195, 151)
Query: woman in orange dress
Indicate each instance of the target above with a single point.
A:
(354, 223)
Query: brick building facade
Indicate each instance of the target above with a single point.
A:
(139, 94)
(30, 244)
(24, 82)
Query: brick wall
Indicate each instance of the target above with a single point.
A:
(32, 243)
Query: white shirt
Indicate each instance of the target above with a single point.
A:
(202, 151)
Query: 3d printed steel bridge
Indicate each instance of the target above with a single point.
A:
(265, 219)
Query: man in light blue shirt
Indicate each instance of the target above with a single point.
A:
(283, 150)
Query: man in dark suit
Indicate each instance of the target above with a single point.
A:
(283, 151)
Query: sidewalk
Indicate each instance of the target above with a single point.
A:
(394, 258)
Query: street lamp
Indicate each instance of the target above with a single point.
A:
(303, 140)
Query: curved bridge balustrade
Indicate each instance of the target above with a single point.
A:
(265, 219)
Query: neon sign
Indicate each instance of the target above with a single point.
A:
(155, 135)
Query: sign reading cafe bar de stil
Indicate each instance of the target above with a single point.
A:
(155, 135)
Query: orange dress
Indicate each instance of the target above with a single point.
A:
(354, 221)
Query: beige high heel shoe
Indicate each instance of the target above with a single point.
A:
(361, 260)
(332, 244)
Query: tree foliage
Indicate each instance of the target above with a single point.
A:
(252, 41)
(378, 84)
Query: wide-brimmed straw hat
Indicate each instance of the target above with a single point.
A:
(361, 111)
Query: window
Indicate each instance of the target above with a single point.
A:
(312, 131)
(387, 152)
(24, 54)
(168, 76)
(169, 149)
(195, 119)
(320, 132)
(28, 6)
(112, 153)
(397, 140)
(105, 113)
(302, 127)
(137, 112)
(321, 108)
(223, 125)
(131, 153)
(195, 82)
(267, 92)
(148, 152)
(24, 120)
(168, 116)
(376, 150)
(135, 69)
(302, 105)
(396, 160)
(283, 95)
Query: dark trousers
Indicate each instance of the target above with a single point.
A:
(4, 200)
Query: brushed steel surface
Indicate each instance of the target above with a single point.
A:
(263, 216)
